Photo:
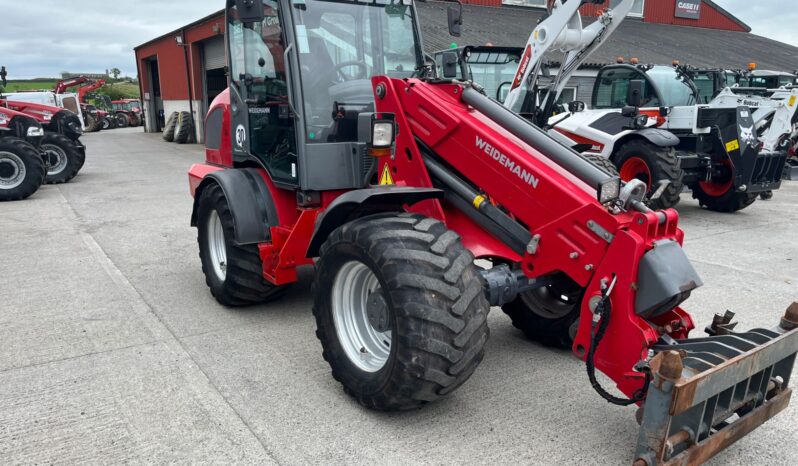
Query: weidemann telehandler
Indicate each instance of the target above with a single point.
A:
(336, 144)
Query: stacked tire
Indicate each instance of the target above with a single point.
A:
(22, 169)
(179, 128)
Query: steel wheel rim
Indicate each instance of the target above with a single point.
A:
(366, 347)
(57, 160)
(217, 246)
(636, 167)
(550, 302)
(12, 170)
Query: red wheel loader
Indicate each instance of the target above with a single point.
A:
(336, 144)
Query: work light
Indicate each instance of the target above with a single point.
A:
(382, 134)
(609, 190)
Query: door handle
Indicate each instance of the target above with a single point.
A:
(289, 83)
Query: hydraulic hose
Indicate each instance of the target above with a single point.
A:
(603, 311)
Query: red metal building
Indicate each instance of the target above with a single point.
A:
(185, 69)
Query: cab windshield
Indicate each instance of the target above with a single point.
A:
(341, 45)
(672, 87)
(491, 70)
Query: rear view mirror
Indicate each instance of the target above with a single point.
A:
(449, 61)
(250, 11)
(634, 97)
(455, 17)
(576, 106)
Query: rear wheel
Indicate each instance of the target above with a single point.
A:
(719, 194)
(549, 314)
(169, 129)
(21, 169)
(233, 272)
(651, 164)
(400, 310)
(64, 159)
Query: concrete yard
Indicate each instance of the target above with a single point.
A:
(112, 349)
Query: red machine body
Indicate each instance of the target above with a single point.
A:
(559, 212)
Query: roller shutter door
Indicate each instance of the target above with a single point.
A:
(214, 53)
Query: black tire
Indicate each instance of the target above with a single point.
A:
(122, 121)
(169, 129)
(134, 119)
(434, 306)
(661, 164)
(731, 201)
(545, 315)
(243, 283)
(602, 162)
(90, 122)
(15, 154)
(64, 159)
(184, 129)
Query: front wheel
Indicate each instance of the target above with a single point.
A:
(651, 164)
(122, 121)
(719, 193)
(233, 272)
(21, 169)
(64, 159)
(400, 310)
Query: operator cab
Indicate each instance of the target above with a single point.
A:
(300, 77)
(769, 79)
(664, 86)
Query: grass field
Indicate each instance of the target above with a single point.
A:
(117, 90)
(30, 85)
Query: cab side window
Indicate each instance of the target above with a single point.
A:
(612, 88)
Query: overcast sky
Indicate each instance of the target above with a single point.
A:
(90, 36)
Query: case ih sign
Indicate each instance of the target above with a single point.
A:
(690, 9)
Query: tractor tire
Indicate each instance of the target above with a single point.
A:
(549, 314)
(233, 272)
(729, 202)
(422, 333)
(184, 129)
(171, 125)
(135, 121)
(21, 169)
(91, 123)
(105, 124)
(651, 164)
(601, 162)
(62, 157)
(122, 121)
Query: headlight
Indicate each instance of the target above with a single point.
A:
(35, 132)
(610, 190)
(382, 134)
(47, 116)
(641, 121)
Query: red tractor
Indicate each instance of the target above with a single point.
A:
(22, 167)
(335, 149)
(131, 108)
(64, 153)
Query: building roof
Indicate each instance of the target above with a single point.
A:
(206, 19)
(649, 42)
(726, 13)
